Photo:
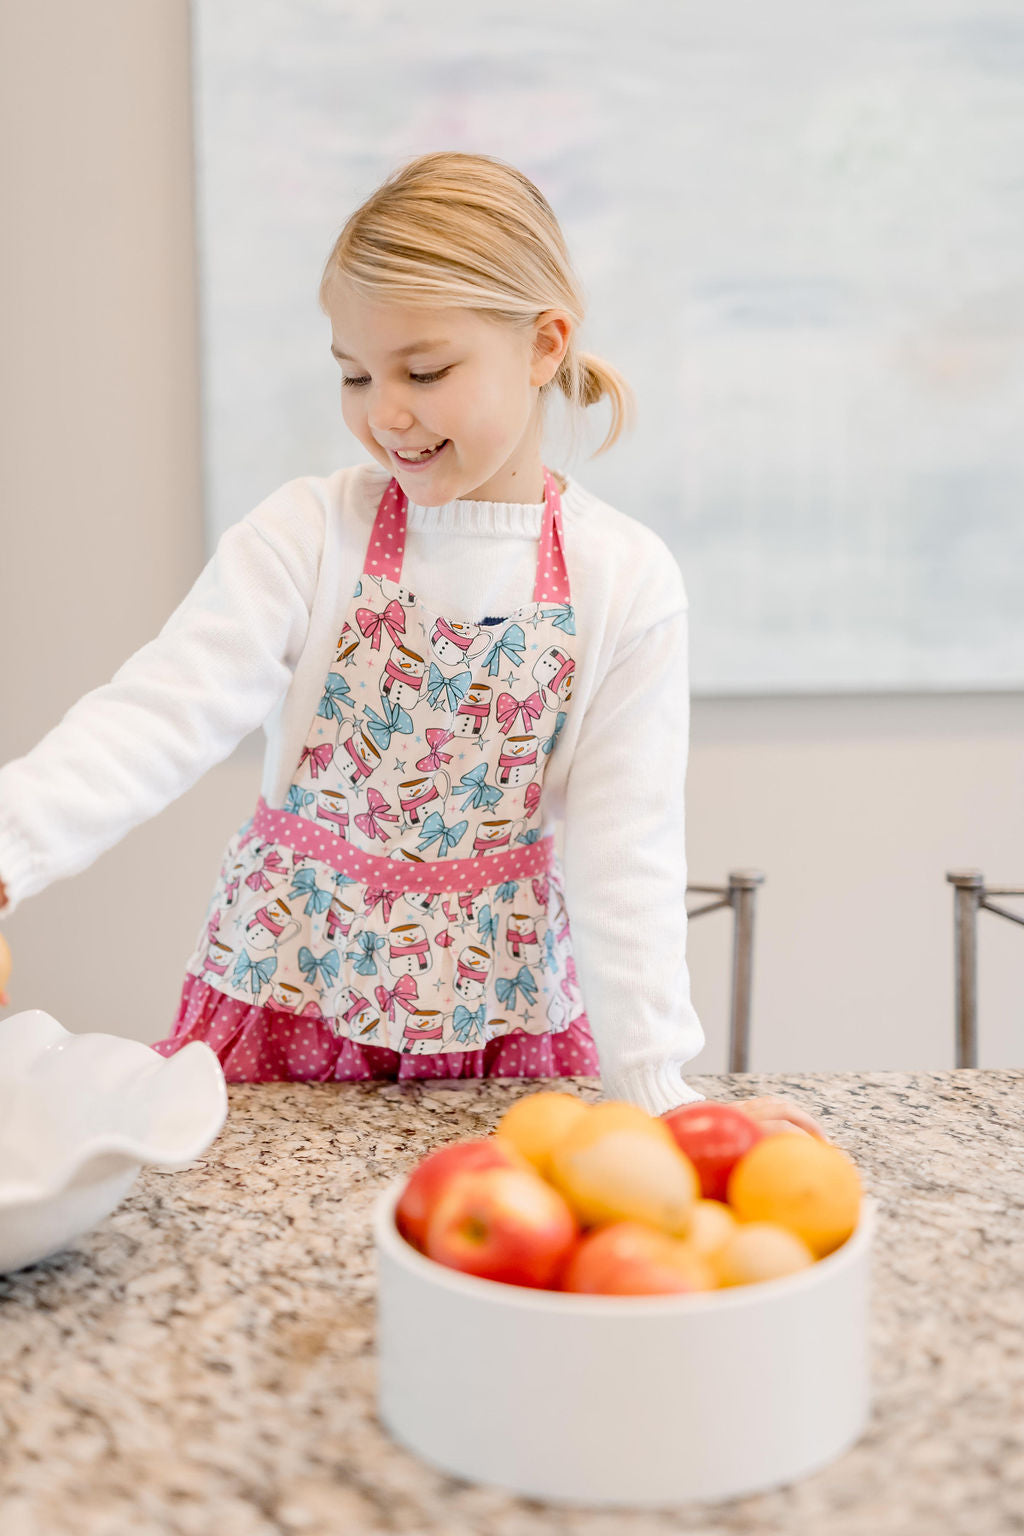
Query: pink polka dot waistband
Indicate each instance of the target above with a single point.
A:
(485, 869)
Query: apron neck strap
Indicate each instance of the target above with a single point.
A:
(386, 549)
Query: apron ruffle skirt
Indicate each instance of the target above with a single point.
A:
(257, 1044)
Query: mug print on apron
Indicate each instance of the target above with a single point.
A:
(407, 893)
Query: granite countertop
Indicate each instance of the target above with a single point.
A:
(203, 1361)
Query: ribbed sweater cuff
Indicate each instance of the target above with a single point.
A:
(656, 1088)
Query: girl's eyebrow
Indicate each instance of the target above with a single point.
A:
(415, 346)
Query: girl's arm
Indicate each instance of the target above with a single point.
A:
(625, 869)
(176, 707)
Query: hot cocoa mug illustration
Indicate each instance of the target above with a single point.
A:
(409, 950)
(356, 1015)
(553, 670)
(521, 935)
(473, 968)
(422, 1025)
(403, 677)
(451, 642)
(517, 761)
(272, 925)
(332, 806)
(414, 794)
(496, 834)
(218, 959)
(286, 997)
(348, 641)
(356, 758)
(339, 920)
(473, 711)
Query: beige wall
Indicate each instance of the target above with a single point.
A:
(853, 807)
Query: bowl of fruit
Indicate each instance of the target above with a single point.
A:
(596, 1305)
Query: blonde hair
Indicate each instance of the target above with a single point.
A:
(473, 232)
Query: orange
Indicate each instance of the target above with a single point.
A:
(535, 1122)
(808, 1186)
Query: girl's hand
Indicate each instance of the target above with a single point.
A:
(780, 1115)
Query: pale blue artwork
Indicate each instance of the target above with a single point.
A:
(800, 230)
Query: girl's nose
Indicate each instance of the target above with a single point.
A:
(387, 412)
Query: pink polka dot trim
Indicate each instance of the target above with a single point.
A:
(304, 836)
(256, 1044)
(552, 580)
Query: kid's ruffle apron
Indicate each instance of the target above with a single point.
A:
(403, 914)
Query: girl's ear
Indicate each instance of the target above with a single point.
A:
(551, 336)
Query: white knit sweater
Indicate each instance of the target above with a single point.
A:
(250, 646)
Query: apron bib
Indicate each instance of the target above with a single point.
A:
(408, 894)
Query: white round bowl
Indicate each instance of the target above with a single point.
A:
(79, 1115)
(638, 1401)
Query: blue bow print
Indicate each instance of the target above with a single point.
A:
(395, 719)
(298, 799)
(511, 643)
(467, 1025)
(343, 880)
(531, 836)
(487, 924)
(328, 964)
(359, 589)
(549, 951)
(335, 690)
(507, 986)
(563, 616)
(506, 890)
(304, 884)
(447, 837)
(549, 742)
(256, 972)
(476, 790)
(455, 688)
(368, 944)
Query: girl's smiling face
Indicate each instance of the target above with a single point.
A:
(414, 377)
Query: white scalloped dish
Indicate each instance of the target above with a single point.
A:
(80, 1115)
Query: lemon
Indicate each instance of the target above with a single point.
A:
(711, 1227)
(617, 1163)
(760, 1250)
(808, 1186)
(534, 1123)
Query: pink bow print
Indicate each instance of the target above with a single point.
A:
(531, 800)
(508, 707)
(435, 757)
(404, 992)
(319, 757)
(387, 899)
(569, 979)
(540, 890)
(378, 811)
(392, 619)
(259, 880)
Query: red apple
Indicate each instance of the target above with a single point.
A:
(432, 1175)
(503, 1224)
(714, 1137)
(628, 1258)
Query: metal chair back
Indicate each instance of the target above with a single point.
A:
(739, 894)
(970, 894)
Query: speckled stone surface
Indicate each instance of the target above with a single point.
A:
(202, 1363)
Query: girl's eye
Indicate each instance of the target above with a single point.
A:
(419, 378)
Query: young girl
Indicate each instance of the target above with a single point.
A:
(450, 648)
